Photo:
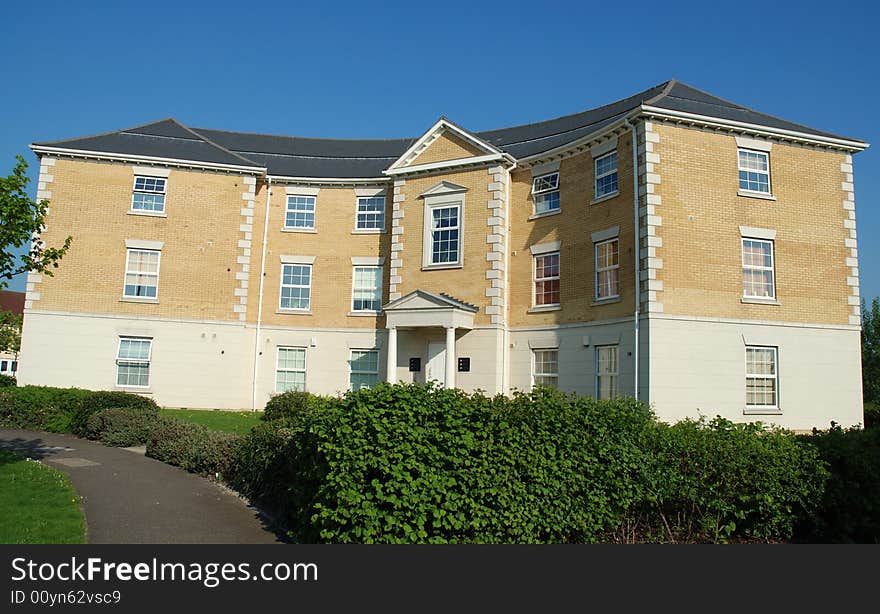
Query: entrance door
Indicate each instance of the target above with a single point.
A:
(436, 367)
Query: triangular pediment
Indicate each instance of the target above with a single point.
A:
(444, 187)
(445, 144)
(421, 299)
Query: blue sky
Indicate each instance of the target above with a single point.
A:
(382, 70)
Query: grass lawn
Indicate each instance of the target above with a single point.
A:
(38, 505)
(217, 419)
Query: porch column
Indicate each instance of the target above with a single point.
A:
(391, 366)
(450, 357)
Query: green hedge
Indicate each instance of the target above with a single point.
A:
(192, 447)
(291, 405)
(122, 426)
(7, 381)
(411, 463)
(61, 410)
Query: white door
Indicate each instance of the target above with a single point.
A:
(436, 367)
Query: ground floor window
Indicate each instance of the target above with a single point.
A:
(762, 378)
(546, 368)
(8, 366)
(363, 369)
(133, 362)
(606, 371)
(290, 371)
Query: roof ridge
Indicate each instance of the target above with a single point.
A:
(669, 85)
(109, 132)
(213, 144)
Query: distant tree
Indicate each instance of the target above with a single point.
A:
(871, 351)
(10, 332)
(21, 221)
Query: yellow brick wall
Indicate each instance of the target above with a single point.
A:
(91, 202)
(333, 246)
(701, 214)
(573, 227)
(447, 147)
(469, 282)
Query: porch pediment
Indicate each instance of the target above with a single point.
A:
(421, 308)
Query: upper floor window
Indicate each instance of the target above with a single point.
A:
(133, 362)
(296, 286)
(754, 170)
(762, 378)
(445, 221)
(141, 273)
(370, 213)
(607, 269)
(367, 289)
(546, 368)
(757, 267)
(606, 371)
(300, 212)
(545, 190)
(290, 370)
(363, 369)
(606, 174)
(148, 194)
(547, 279)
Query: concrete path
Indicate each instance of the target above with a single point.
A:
(131, 499)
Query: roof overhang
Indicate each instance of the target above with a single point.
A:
(420, 309)
(46, 150)
(329, 181)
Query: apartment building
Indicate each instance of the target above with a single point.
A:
(671, 245)
(12, 302)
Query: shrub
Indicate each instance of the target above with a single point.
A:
(291, 404)
(850, 510)
(122, 426)
(107, 399)
(872, 415)
(7, 381)
(192, 446)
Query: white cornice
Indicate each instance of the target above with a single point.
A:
(329, 181)
(448, 164)
(440, 126)
(119, 157)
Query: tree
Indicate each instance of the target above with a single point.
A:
(21, 221)
(10, 332)
(871, 351)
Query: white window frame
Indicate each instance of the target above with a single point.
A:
(377, 289)
(739, 168)
(605, 269)
(358, 213)
(428, 243)
(536, 280)
(615, 374)
(535, 373)
(551, 186)
(148, 361)
(771, 268)
(304, 370)
(288, 209)
(597, 176)
(775, 377)
(135, 191)
(352, 371)
(3, 364)
(128, 252)
(284, 285)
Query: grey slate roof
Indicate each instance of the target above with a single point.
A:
(364, 158)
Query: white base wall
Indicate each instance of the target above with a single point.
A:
(698, 368)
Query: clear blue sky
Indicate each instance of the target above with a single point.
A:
(389, 69)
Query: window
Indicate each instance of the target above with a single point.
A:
(363, 369)
(762, 378)
(133, 362)
(149, 194)
(300, 212)
(290, 373)
(370, 213)
(545, 190)
(546, 368)
(547, 279)
(754, 171)
(757, 259)
(8, 366)
(3, 365)
(367, 288)
(445, 227)
(606, 371)
(296, 286)
(607, 269)
(606, 174)
(14, 366)
(141, 273)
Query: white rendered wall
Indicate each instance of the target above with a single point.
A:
(698, 367)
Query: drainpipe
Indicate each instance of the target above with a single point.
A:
(505, 354)
(260, 300)
(636, 252)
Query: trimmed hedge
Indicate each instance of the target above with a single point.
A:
(193, 447)
(122, 426)
(8, 381)
(291, 405)
(408, 463)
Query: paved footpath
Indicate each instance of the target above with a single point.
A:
(131, 499)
